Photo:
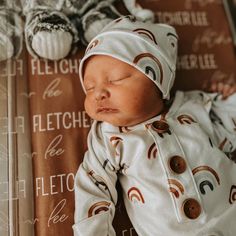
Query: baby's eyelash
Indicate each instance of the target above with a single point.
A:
(89, 88)
(114, 80)
(119, 79)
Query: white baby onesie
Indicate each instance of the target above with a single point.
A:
(175, 175)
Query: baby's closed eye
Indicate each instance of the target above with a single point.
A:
(89, 87)
(118, 80)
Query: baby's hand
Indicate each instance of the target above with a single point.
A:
(224, 87)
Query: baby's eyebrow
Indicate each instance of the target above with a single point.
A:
(88, 79)
(87, 84)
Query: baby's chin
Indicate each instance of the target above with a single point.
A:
(120, 123)
(118, 120)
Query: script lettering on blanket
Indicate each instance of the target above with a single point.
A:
(210, 38)
(56, 215)
(31, 221)
(202, 3)
(53, 148)
(52, 89)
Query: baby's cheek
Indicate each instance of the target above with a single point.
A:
(89, 107)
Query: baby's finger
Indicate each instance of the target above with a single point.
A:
(228, 90)
(220, 87)
(232, 89)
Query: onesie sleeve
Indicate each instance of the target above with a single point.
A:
(95, 189)
(216, 116)
(223, 117)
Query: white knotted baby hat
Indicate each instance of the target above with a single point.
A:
(150, 48)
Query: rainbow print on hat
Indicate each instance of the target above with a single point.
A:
(149, 47)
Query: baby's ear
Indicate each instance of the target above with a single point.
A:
(11, 34)
(49, 34)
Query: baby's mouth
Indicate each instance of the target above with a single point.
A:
(106, 110)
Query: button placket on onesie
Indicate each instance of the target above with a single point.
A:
(186, 199)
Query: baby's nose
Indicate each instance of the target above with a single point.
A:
(101, 93)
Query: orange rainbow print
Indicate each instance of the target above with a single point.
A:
(147, 33)
(98, 207)
(175, 187)
(185, 119)
(152, 57)
(134, 195)
(152, 151)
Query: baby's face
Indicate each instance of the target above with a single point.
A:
(118, 93)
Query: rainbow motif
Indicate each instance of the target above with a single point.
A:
(232, 194)
(115, 141)
(152, 151)
(175, 187)
(124, 129)
(185, 119)
(147, 33)
(206, 182)
(152, 57)
(98, 208)
(93, 44)
(135, 195)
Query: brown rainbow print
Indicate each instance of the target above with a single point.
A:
(98, 180)
(185, 119)
(93, 44)
(173, 35)
(175, 187)
(152, 151)
(115, 141)
(108, 164)
(147, 33)
(209, 169)
(222, 144)
(232, 194)
(98, 207)
(134, 194)
(124, 129)
(152, 57)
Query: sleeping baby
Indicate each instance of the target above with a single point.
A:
(171, 155)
